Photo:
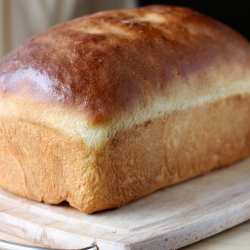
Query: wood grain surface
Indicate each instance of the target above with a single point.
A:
(231, 239)
(167, 219)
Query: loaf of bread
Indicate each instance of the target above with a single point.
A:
(107, 108)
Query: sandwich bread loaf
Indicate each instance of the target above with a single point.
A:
(107, 108)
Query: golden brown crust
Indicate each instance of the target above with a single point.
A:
(181, 145)
(113, 63)
(107, 108)
(45, 165)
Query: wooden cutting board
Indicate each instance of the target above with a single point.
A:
(167, 219)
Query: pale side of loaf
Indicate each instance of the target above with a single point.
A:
(107, 108)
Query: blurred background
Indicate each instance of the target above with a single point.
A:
(233, 13)
(21, 19)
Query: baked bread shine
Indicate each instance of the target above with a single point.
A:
(107, 108)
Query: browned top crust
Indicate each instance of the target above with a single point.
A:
(116, 62)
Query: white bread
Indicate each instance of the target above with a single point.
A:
(107, 108)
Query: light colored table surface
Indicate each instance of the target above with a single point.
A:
(235, 238)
